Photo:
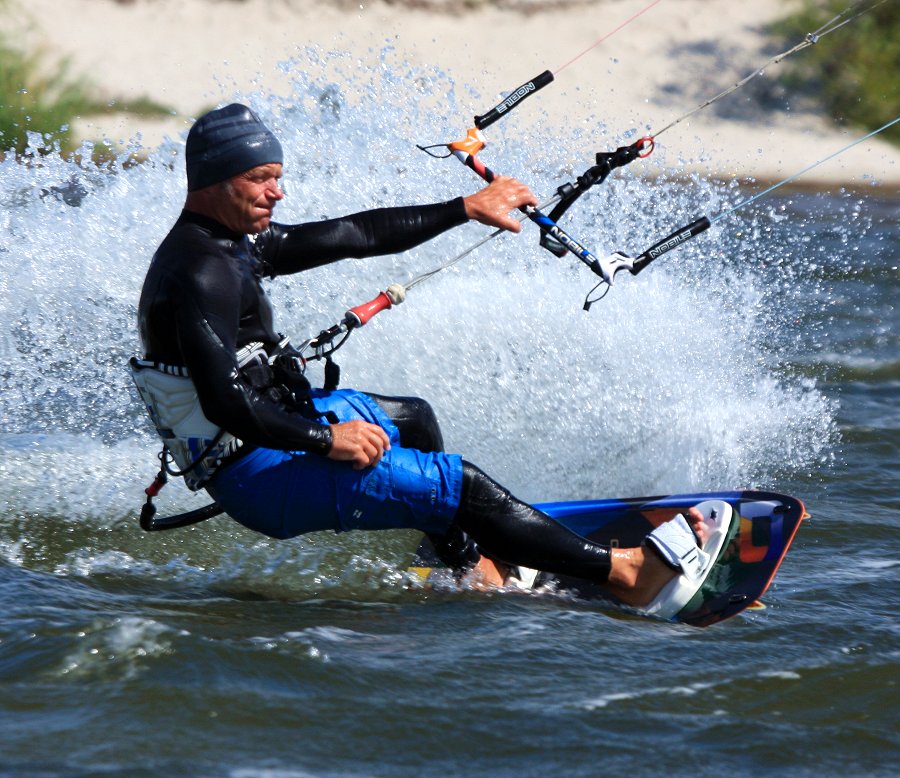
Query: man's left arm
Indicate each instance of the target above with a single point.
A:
(389, 230)
(291, 249)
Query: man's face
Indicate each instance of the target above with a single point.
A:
(248, 199)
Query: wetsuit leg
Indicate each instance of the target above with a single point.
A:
(415, 419)
(503, 526)
(419, 429)
(514, 532)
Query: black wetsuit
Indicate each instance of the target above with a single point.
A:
(202, 301)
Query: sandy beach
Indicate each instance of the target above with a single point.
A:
(193, 54)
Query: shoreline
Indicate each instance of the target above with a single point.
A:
(192, 54)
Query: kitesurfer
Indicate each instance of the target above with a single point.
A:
(229, 398)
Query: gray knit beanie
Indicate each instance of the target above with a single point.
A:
(225, 142)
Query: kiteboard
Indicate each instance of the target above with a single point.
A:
(754, 541)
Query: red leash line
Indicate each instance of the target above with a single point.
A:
(608, 35)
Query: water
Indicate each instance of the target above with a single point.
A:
(763, 353)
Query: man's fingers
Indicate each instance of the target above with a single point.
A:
(358, 442)
(371, 451)
(493, 204)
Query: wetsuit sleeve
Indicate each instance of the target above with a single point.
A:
(207, 327)
(291, 249)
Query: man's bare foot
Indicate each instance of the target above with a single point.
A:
(698, 524)
(638, 574)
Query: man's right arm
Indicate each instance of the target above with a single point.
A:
(207, 328)
(251, 416)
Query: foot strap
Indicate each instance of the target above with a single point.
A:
(676, 544)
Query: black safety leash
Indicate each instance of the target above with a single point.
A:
(322, 346)
(149, 520)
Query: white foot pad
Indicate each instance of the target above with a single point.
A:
(678, 544)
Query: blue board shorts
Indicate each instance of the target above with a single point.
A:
(283, 494)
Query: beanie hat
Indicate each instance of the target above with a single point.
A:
(225, 142)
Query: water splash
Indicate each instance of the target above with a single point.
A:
(676, 381)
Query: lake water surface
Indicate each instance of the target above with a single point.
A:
(764, 353)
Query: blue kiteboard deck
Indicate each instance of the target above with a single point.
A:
(760, 534)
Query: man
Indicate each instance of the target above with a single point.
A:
(228, 396)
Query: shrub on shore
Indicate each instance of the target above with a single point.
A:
(39, 102)
(854, 72)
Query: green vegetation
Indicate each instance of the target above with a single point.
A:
(854, 71)
(45, 100)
